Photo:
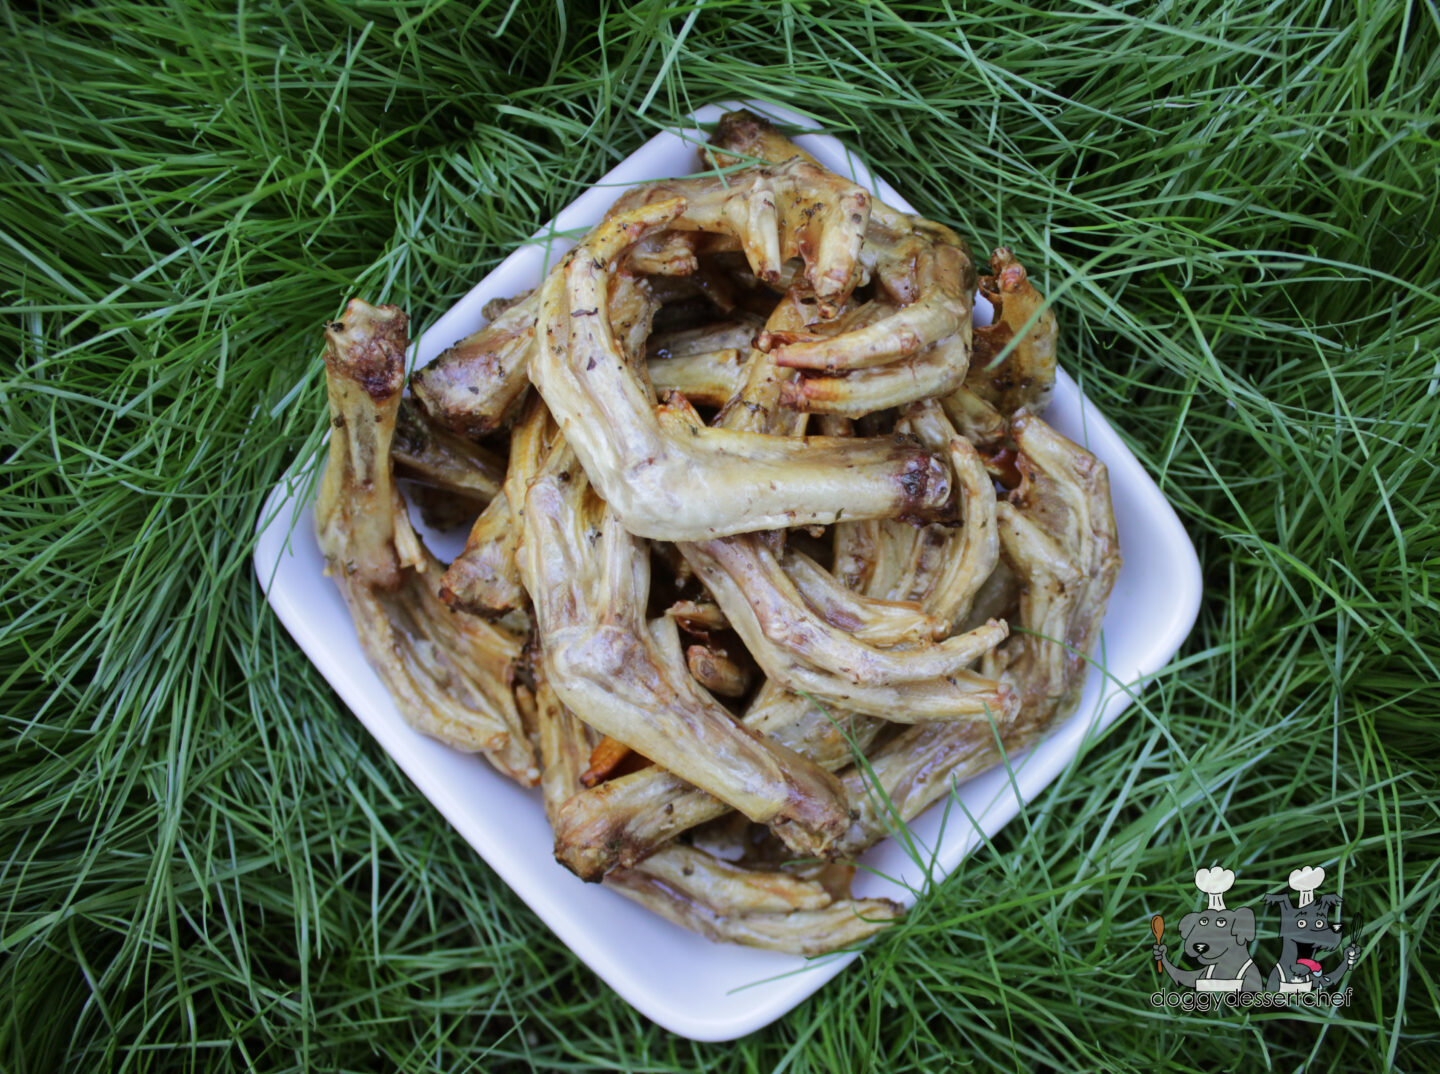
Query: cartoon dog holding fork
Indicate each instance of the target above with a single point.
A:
(1306, 929)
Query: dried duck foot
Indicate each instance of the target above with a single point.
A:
(589, 581)
(1057, 536)
(623, 821)
(675, 479)
(1026, 376)
(450, 674)
(728, 903)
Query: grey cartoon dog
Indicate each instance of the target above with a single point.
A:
(1218, 938)
(1308, 927)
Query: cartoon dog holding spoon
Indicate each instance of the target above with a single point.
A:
(1216, 937)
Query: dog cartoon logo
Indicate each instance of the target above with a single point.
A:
(1216, 937)
(1308, 927)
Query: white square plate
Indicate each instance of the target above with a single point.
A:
(687, 984)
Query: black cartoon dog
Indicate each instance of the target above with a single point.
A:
(1218, 938)
(1306, 929)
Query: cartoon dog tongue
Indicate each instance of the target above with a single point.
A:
(1309, 963)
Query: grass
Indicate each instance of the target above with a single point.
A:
(204, 861)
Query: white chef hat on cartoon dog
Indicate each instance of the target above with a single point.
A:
(1305, 881)
(1215, 883)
